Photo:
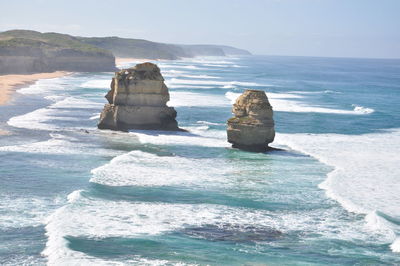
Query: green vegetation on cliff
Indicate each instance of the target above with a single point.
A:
(137, 48)
(24, 51)
(47, 41)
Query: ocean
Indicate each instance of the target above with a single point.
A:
(71, 194)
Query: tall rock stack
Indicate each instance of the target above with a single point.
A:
(252, 127)
(138, 100)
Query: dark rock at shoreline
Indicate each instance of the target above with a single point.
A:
(138, 100)
(252, 127)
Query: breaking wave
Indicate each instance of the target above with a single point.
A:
(357, 182)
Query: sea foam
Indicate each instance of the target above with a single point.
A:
(96, 218)
(211, 82)
(362, 110)
(197, 137)
(26, 211)
(283, 102)
(139, 168)
(182, 98)
(60, 144)
(168, 74)
(98, 83)
(360, 181)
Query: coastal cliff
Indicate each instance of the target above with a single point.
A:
(252, 127)
(212, 50)
(26, 51)
(138, 100)
(137, 48)
(23, 52)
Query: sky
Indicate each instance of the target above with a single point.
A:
(329, 28)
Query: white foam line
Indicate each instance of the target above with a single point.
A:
(174, 86)
(95, 116)
(365, 175)
(97, 218)
(279, 103)
(59, 144)
(212, 82)
(162, 65)
(207, 61)
(25, 211)
(315, 92)
(182, 98)
(214, 65)
(209, 123)
(203, 137)
(76, 103)
(145, 169)
(39, 118)
(98, 84)
(362, 110)
(190, 76)
(33, 120)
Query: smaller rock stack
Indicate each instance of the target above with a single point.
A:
(252, 127)
(138, 100)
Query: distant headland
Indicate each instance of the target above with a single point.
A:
(26, 51)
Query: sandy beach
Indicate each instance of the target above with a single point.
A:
(9, 83)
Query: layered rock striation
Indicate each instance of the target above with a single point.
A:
(252, 127)
(138, 100)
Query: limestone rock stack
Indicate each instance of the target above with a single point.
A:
(138, 100)
(252, 127)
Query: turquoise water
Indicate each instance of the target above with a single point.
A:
(71, 194)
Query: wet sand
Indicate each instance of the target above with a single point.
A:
(9, 83)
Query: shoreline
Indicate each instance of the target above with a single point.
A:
(11, 82)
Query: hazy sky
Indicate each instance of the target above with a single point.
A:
(345, 28)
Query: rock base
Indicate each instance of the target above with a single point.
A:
(138, 117)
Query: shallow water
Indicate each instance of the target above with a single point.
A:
(73, 194)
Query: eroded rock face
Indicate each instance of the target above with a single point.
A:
(252, 127)
(138, 100)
